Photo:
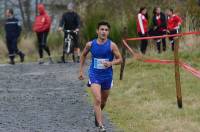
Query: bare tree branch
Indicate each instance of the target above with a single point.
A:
(22, 12)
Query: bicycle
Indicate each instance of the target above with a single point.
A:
(68, 46)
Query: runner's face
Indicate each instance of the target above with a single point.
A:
(103, 32)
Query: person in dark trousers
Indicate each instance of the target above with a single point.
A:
(13, 30)
(173, 25)
(42, 26)
(142, 28)
(71, 21)
(159, 28)
(105, 54)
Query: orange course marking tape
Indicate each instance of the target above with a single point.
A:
(185, 66)
(163, 36)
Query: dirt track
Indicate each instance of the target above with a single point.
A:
(44, 98)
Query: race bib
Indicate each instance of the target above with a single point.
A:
(98, 63)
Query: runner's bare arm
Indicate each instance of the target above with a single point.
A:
(118, 58)
(82, 59)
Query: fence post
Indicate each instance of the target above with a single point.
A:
(124, 35)
(177, 74)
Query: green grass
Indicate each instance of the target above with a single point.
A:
(145, 101)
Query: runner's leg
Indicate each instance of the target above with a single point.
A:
(104, 97)
(96, 91)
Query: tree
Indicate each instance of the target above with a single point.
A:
(27, 7)
(22, 12)
(36, 11)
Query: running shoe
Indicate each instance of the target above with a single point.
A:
(102, 129)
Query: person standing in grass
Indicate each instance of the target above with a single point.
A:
(173, 25)
(142, 28)
(105, 54)
(13, 30)
(159, 28)
(42, 26)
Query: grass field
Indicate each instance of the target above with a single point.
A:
(145, 101)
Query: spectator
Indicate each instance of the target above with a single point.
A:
(42, 26)
(173, 25)
(13, 30)
(142, 28)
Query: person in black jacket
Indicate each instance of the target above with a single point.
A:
(159, 27)
(71, 21)
(13, 30)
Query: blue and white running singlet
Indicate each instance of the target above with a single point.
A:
(98, 73)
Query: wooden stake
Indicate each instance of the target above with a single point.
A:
(177, 74)
(125, 34)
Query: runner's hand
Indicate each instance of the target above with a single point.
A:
(107, 63)
(81, 77)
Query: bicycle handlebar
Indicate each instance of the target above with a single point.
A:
(70, 31)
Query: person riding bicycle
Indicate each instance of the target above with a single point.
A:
(71, 21)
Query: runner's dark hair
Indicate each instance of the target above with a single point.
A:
(105, 23)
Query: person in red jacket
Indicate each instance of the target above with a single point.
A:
(173, 25)
(142, 28)
(42, 26)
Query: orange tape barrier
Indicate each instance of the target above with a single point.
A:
(185, 66)
(164, 36)
(190, 69)
(160, 61)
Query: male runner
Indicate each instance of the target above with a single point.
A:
(105, 54)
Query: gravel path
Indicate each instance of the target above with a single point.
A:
(44, 98)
